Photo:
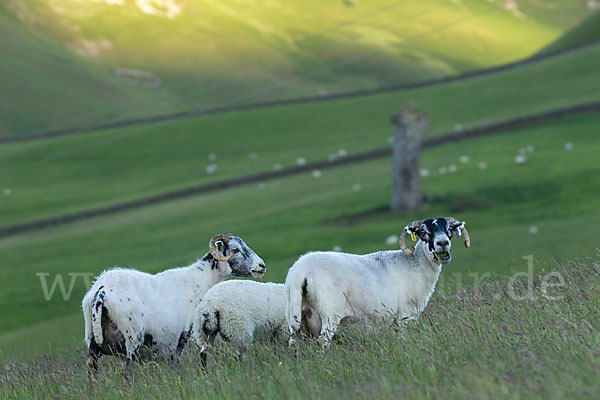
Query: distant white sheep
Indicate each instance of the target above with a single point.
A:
(242, 312)
(211, 169)
(127, 311)
(568, 146)
(520, 159)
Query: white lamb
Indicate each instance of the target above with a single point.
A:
(325, 287)
(242, 312)
(127, 310)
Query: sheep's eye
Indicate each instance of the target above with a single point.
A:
(236, 250)
(423, 235)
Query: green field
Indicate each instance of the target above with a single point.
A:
(150, 159)
(225, 52)
(490, 342)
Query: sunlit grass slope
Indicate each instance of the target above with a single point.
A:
(42, 83)
(222, 52)
(495, 341)
(75, 173)
(553, 189)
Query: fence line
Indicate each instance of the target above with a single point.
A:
(485, 130)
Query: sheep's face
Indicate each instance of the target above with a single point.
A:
(436, 234)
(244, 262)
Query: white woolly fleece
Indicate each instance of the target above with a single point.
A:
(247, 311)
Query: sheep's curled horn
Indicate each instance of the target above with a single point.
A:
(414, 224)
(213, 248)
(463, 230)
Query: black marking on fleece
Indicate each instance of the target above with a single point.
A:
(209, 258)
(98, 300)
(209, 322)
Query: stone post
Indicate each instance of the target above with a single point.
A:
(409, 125)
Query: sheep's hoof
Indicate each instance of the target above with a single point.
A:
(325, 342)
(292, 342)
(127, 366)
(92, 364)
(243, 357)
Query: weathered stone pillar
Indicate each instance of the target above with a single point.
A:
(409, 125)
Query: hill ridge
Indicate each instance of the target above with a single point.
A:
(540, 57)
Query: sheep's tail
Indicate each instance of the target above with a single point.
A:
(97, 306)
(296, 288)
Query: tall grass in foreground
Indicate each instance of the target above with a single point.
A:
(492, 341)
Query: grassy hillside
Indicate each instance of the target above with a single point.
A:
(110, 166)
(554, 189)
(585, 31)
(43, 83)
(222, 52)
(483, 343)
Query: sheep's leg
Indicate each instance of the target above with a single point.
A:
(210, 340)
(93, 355)
(244, 344)
(183, 339)
(292, 332)
(328, 329)
(132, 347)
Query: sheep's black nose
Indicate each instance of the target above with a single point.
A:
(442, 243)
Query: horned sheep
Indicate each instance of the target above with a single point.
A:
(326, 287)
(127, 311)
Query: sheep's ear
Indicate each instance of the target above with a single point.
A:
(458, 224)
(456, 227)
(219, 245)
(417, 233)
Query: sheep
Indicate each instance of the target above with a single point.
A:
(325, 287)
(131, 313)
(241, 311)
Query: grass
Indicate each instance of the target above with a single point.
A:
(587, 30)
(490, 341)
(228, 50)
(554, 189)
(111, 166)
(43, 83)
